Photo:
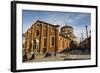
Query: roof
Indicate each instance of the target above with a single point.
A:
(44, 23)
(64, 36)
(47, 23)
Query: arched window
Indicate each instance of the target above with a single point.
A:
(53, 41)
(37, 33)
(45, 43)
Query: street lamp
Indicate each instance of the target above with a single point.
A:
(86, 31)
(87, 37)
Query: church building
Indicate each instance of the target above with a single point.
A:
(44, 37)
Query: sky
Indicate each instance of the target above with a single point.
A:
(75, 19)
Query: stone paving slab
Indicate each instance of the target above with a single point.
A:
(60, 57)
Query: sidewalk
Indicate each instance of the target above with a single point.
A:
(78, 57)
(60, 57)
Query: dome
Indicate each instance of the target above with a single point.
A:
(67, 26)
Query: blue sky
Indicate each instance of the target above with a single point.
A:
(74, 19)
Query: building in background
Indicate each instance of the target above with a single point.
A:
(86, 43)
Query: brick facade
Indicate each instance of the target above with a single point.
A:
(43, 37)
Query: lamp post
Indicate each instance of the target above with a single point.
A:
(86, 31)
(87, 36)
(82, 40)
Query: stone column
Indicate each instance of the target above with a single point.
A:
(47, 39)
(28, 44)
(56, 40)
(27, 41)
(26, 48)
(32, 37)
(41, 39)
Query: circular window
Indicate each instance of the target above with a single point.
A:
(38, 25)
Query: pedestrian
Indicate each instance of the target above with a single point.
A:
(33, 55)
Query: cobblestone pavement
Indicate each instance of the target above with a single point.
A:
(59, 57)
